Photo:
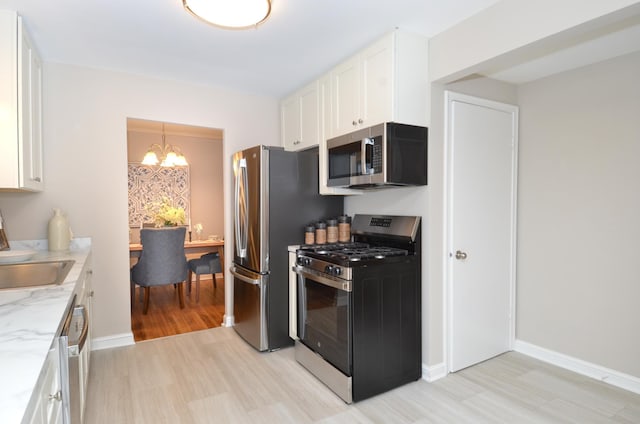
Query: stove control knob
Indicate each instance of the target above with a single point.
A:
(337, 271)
(328, 269)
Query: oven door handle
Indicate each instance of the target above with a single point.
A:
(340, 285)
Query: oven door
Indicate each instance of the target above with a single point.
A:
(324, 317)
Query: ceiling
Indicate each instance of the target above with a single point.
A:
(300, 40)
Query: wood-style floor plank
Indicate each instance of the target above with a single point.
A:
(213, 376)
(165, 318)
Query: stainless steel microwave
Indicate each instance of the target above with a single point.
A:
(388, 154)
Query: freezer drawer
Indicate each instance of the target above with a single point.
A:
(250, 306)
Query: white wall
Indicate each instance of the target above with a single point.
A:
(205, 157)
(85, 133)
(579, 209)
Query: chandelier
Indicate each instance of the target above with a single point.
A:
(230, 14)
(170, 155)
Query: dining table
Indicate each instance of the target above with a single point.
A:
(191, 248)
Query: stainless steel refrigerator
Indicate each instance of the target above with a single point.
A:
(275, 196)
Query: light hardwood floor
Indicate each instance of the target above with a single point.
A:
(213, 376)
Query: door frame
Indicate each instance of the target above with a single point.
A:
(450, 97)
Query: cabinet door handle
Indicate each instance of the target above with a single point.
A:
(354, 123)
(56, 396)
(296, 142)
(37, 179)
(360, 121)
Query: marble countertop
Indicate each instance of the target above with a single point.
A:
(29, 321)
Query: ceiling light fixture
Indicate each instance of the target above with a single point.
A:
(230, 14)
(171, 155)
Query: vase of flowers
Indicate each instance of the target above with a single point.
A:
(165, 214)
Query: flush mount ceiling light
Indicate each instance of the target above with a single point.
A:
(171, 155)
(230, 14)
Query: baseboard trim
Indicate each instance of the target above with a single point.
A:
(117, 340)
(228, 320)
(606, 375)
(434, 372)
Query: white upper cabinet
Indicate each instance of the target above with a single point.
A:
(21, 149)
(387, 81)
(300, 118)
(324, 92)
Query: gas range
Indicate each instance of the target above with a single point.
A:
(341, 292)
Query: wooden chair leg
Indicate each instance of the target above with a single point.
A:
(215, 283)
(197, 288)
(189, 277)
(145, 308)
(180, 295)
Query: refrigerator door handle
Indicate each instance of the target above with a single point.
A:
(241, 227)
(255, 282)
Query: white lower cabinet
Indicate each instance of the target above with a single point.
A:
(48, 396)
(46, 405)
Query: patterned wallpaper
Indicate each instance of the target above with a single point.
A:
(150, 183)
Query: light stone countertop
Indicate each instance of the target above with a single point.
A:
(29, 321)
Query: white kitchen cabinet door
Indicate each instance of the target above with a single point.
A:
(290, 122)
(387, 81)
(47, 406)
(309, 116)
(345, 97)
(300, 119)
(21, 144)
(376, 84)
(324, 93)
(30, 118)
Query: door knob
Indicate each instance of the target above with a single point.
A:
(461, 255)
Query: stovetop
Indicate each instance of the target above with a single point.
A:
(349, 254)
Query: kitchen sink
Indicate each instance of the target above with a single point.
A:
(33, 274)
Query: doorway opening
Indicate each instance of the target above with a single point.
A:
(197, 188)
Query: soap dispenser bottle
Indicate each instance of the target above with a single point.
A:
(59, 232)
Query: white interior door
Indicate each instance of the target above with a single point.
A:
(481, 191)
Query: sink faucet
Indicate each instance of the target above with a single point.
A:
(4, 243)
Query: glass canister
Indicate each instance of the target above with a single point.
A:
(321, 232)
(344, 229)
(332, 230)
(309, 234)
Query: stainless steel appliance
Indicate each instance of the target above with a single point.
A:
(74, 363)
(358, 311)
(388, 154)
(276, 195)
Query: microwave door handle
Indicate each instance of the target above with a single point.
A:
(367, 151)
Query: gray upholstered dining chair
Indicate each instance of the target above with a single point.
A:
(208, 263)
(162, 261)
